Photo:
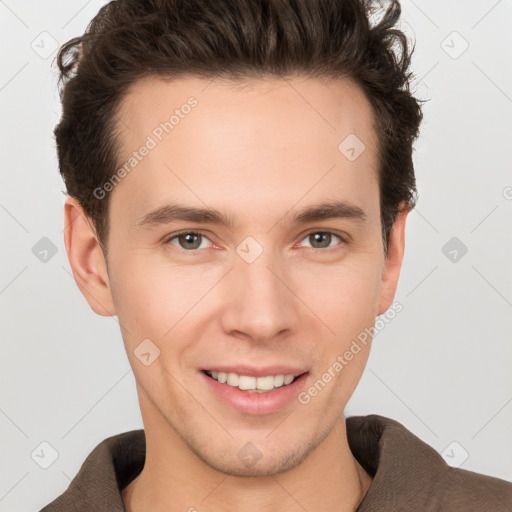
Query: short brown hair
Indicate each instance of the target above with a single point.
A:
(131, 39)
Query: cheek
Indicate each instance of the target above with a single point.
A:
(154, 298)
(345, 297)
(145, 299)
(347, 304)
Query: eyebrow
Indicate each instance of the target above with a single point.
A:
(315, 213)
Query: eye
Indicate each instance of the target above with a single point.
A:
(188, 240)
(193, 240)
(322, 239)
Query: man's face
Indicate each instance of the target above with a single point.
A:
(266, 295)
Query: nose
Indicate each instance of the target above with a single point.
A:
(260, 304)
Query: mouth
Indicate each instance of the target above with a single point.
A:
(263, 393)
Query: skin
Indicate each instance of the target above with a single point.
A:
(260, 151)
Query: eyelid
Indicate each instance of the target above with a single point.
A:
(345, 238)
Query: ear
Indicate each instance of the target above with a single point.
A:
(393, 261)
(86, 258)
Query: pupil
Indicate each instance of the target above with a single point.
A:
(189, 238)
(319, 236)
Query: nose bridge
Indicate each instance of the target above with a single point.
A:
(259, 304)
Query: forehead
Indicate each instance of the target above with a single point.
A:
(263, 139)
(322, 105)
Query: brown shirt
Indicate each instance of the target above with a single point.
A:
(408, 475)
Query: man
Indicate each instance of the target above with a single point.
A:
(239, 177)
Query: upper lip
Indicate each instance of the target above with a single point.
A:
(252, 371)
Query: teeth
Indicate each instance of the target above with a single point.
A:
(288, 379)
(245, 382)
(252, 384)
(232, 380)
(278, 381)
(265, 383)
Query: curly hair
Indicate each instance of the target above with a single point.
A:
(131, 39)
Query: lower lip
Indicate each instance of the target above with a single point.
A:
(256, 403)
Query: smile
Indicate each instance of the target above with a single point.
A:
(252, 384)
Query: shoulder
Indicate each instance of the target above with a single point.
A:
(408, 474)
(110, 466)
(456, 488)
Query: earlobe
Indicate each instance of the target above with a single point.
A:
(86, 258)
(393, 261)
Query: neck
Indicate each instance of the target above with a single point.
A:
(175, 479)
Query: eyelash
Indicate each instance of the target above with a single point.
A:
(326, 249)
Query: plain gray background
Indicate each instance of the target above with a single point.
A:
(441, 367)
